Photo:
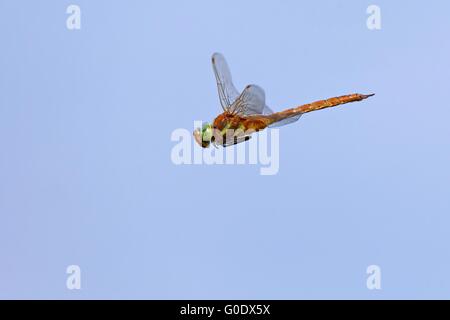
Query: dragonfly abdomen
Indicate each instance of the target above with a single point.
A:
(318, 105)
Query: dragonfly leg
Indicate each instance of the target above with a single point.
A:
(236, 140)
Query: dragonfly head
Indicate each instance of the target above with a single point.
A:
(204, 135)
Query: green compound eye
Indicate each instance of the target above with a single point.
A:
(207, 132)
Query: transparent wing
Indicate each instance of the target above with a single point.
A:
(227, 92)
(285, 121)
(252, 101)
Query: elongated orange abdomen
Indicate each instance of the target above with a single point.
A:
(318, 105)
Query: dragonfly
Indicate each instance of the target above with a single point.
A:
(246, 112)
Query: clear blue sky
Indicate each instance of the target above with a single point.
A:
(86, 176)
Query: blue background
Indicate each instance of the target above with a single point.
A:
(86, 176)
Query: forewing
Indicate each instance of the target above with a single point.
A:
(252, 101)
(227, 91)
